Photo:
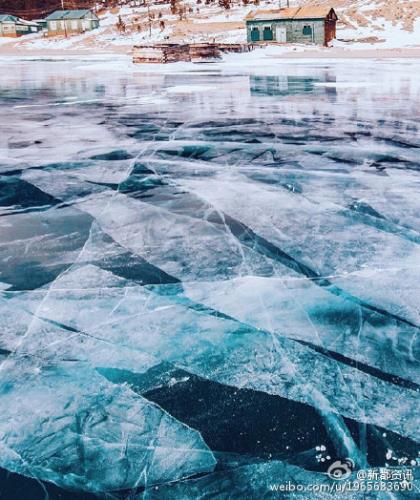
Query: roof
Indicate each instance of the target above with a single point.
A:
(68, 14)
(27, 23)
(315, 12)
(7, 18)
(310, 12)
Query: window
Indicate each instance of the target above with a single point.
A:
(74, 25)
(255, 35)
(53, 25)
(307, 30)
(268, 33)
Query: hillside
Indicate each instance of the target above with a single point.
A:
(33, 9)
(363, 23)
(378, 17)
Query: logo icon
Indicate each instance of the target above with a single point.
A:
(341, 470)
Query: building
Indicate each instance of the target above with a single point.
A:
(13, 26)
(69, 22)
(311, 25)
(42, 23)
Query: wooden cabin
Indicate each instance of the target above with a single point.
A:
(308, 25)
(70, 22)
(12, 26)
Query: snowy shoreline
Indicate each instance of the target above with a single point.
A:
(259, 55)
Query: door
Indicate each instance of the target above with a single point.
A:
(281, 34)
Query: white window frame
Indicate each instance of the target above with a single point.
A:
(53, 25)
(74, 24)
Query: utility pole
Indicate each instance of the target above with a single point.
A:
(64, 21)
(150, 21)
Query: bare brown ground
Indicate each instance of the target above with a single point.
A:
(395, 11)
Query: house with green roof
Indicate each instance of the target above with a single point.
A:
(12, 26)
(69, 22)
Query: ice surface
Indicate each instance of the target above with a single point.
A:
(249, 481)
(157, 326)
(260, 480)
(314, 316)
(67, 425)
(191, 270)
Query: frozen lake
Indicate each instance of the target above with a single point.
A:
(209, 275)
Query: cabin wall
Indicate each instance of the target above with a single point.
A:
(8, 29)
(70, 26)
(26, 30)
(22, 30)
(307, 31)
(14, 30)
(330, 31)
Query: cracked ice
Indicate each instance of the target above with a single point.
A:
(202, 289)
